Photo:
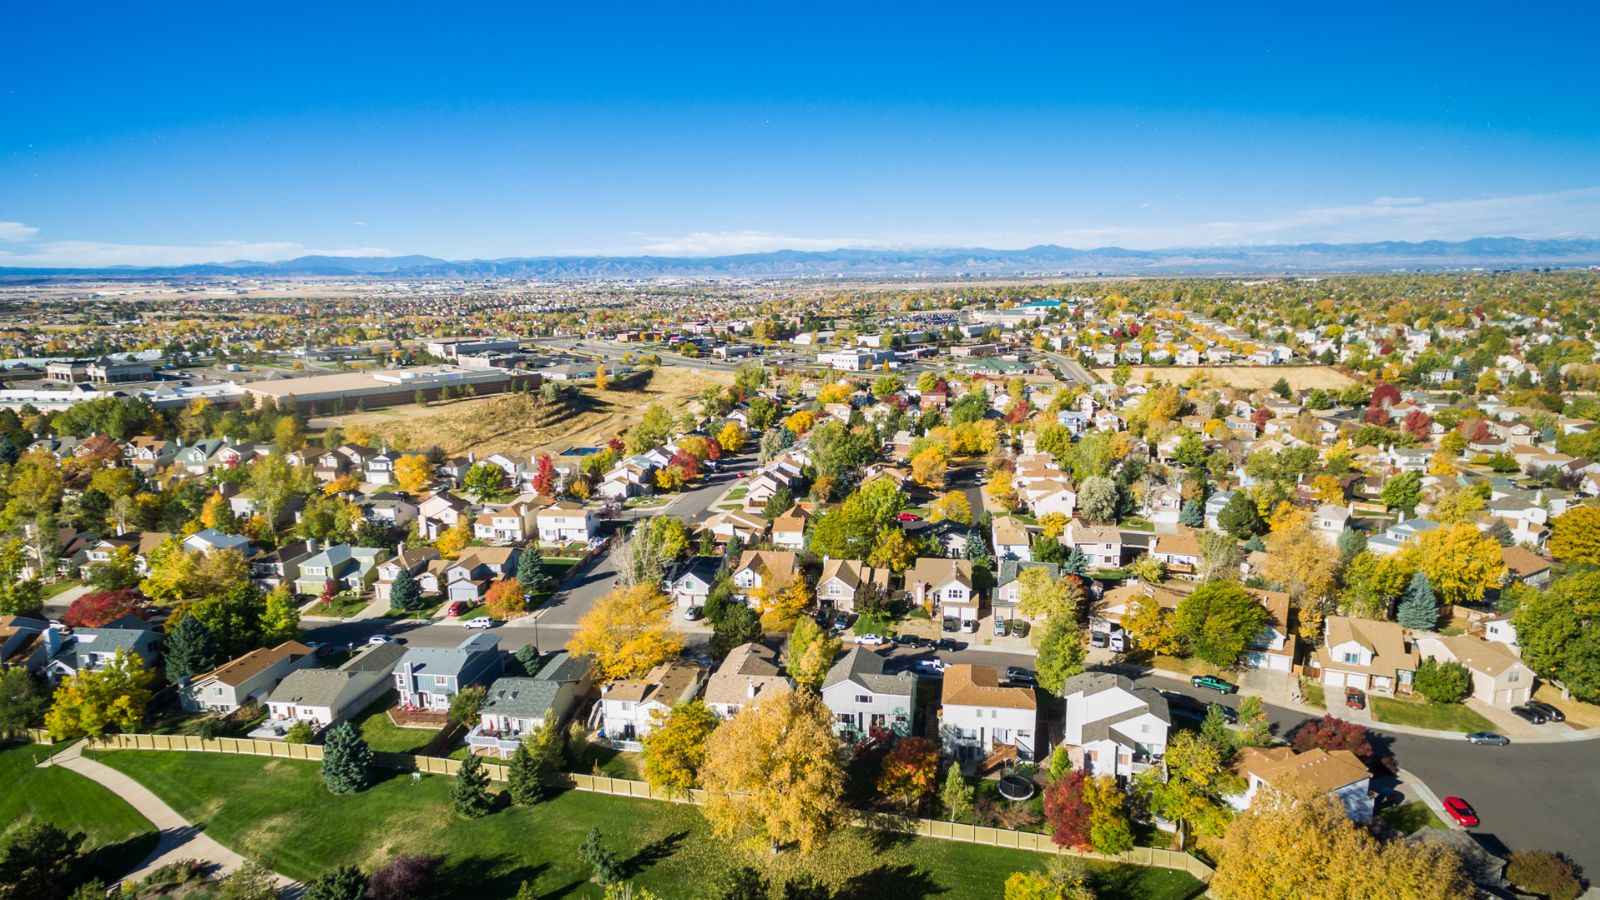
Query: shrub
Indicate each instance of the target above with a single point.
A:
(298, 733)
(1545, 873)
(403, 877)
(1446, 682)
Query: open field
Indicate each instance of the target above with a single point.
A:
(118, 837)
(517, 423)
(1244, 377)
(279, 811)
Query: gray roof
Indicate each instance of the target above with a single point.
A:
(449, 660)
(865, 668)
(382, 658)
(564, 667)
(1011, 568)
(311, 687)
(1091, 683)
(528, 698)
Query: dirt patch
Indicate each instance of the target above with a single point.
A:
(521, 424)
(1244, 377)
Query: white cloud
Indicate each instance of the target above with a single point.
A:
(721, 243)
(16, 231)
(94, 254)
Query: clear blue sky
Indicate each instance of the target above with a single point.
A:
(178, 132)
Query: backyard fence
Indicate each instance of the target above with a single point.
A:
(1154, 857)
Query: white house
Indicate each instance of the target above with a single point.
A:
(626, 708)
(247, 679)
(1102, 544)
(1113, 728)
(946, 586)
(984, 723)
(514, 707)
(510, 524)
(761, 573)
(862, 697)
(567, 522)
(1011, 538)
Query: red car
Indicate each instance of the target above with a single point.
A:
(1461, 811)
(909, 517)
(456, 608)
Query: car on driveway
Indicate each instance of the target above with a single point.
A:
(1551, 713)
(1461, 811)
(909, 517)
(1000, 629)
(1099, 639)
(456, 608)
(1489, 738)
(693, 613)
(1354, 698)
(1212, 682)
(1529, 714)
(872, 640)
(479, 622)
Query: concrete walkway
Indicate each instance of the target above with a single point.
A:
(179, 838)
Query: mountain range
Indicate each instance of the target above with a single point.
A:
(1042, 260)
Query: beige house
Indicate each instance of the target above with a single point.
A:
(762, 573)
(1499, 676)
(845, 581)
(789, 529)
(1366, 654)
(945, 586)
(1337, 772)
(749, 674)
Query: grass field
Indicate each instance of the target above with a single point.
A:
(1412, 817)
(1245, 377)
(118, 837)
(382, 734)
(1438, 716)
(279, 812)
(516, 423)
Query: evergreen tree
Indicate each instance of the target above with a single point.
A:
(526, 659)
(530, 571)
(1240, 517)
(190, 649)
(1075, 563)
(537, 756)
(976, 547)
(1215, 731)
(346, 760)
(343, 883)
(471, 796)
(405, 593)
(599, 857)
(1351, 543)
(1192, 515)
(1418, 607)
(1501, 532)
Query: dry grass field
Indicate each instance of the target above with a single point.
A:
(1244, 377)
(515, 423)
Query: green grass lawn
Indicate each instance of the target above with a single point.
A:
(424, 613)
(1438, 716)
(343, 607)
(1312, 690)
(383, 734)
(737, 493)
(56, 589)
(118, 836)
(1411, 817)
(279, 812)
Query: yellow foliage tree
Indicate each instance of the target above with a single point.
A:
(669, 479)
(1040, 596)
(1001, 489)
(344, 484)
(731, 438)
(800, 422)
(1301, 560)
(453, 541)
(1327, 489)
(928, 466)
(413, 472)
(627, 632)
(953, 506)
(785, 605)
(1575, 536)
(1460, 561)
(1054, 524)
(601, 379)
(1152, 628)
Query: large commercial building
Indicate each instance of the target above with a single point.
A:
(387, 387)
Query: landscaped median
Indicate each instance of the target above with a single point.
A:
(278, 811)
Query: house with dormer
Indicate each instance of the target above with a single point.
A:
(1111, 727)
(1366, 654)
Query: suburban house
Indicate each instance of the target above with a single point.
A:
(1180, 552)
(1499, 676)
(1526, 566)
(1330, 521)
(845, 581)
(427, 677)
(1338, 772)
(515, 707)
(628, 478)
(1011, 538)
(271, 568)
(789, 529)
(94, 648)
(324, 697)
(862, 697)
(1502, 630)
(626, 707)
(748, 674)
(439, 513)
(349, 567)
(1366, 654)
(762, 573)
(247, 679)
(689, 581)
(512, 524)
(1112, 727)
(567, 522)
(1008, 584)
(1276, 646)
(22, 642)
(469, 577)
(984, 723)
(727, 525)
(209, 540)
(409, 559)
(945, 587)
(1102, 544)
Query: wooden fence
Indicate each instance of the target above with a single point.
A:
(621, 787)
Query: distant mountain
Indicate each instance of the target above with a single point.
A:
(1046, 259)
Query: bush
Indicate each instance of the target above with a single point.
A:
(1446, 682)
(403, 877)
(1545, 873)
(298, 733)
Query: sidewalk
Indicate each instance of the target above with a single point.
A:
(179, 838)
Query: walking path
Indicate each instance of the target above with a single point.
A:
(179, 838)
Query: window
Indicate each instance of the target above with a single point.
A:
(863, 698)
(1352, 657)
(1513, 676)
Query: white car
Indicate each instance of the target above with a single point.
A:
(931, 666)
(378, 639)
(479, 622)
(872, 640)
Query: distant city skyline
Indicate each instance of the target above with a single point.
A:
(190, 133)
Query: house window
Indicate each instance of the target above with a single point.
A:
(1352, 657)
(1513, 676)
(863, 698)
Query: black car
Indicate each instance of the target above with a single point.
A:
(947, 644)
(908, 640)
(1551, 713)
(1528, 713)
(951, 624)
(1020, 676)
(1229, 714)
(1184, 706)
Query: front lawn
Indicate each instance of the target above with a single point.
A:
(343, 607)
(1313, 693)
(423, 613)
(118, 837)
(382, 734)
(56, 589)
(1435, 716)
(278, 811)
(1411, 818)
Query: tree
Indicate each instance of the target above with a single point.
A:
(91, 701)
(1461, 562)
(1041, 596)
(280, 619)
(485, 481)
(505, 599)
(1192, 791)
(1559, 631)
(1330, 733)
(1061, 653)
(809, 653)
(455, 539)
(346, 760)
(1192, 515)
(600, 858)
(1544, 873)
(1403, 492)
(1148, 569)
(1372, 582)
(910, 771)
(952, 506)
(404, 592)
(1442, 682)
(773, 770)
(1299, 561)
(41, 862)
(470, 797)
(120, 571)
(1418, 607)
(1214, 730)
(1109, 828)
(956, 795)
(601, 380)
(1220, 556)
(1218, 621)
(404, 877)
(627, 632)
(530, 571)
(1067, 811)
(892, 551)
(675, 748)
(466, 703)
(343, 883)
(101, 607)
(1575, 536)
(1066, 878)
(1254, 729)
(1152, 628)
(1300, 843)
(21, 701)
(1076, 562)
(535, 758)
(1097, 499)
(737, 625)
(1240, 517)
(413, 473)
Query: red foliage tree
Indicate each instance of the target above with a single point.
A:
(544, 476)
(1475, 429)
(1067, 811)
(330, 590)
(96, 609)
(1262, 417)
(1416, 424)
(403, 877)
(1330, 733)
(910, 771)
(616, 445)
(687, 464)
(1384, 395)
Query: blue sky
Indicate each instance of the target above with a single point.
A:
(176, 132)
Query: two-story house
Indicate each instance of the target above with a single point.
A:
(1367, 655)
(628, 709)
(566, 523)
(983, 722)
(689, 582)
(1338, 772)
(1102, 544)
(427, 677)
(439, 513)
(845, 582)
(945, 587)
(508, 525)
(747, 675)
(469, 577)
(763, 573)
(516, 707)
(1011, 538)
(271, 568)
(247, 679)
(863, 698)
(1276, 646)
(93, 649)
(1111, 727)
(350, 569)
(415, 560)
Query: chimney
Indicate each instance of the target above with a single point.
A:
(311, 545)
(52, 641)
(750, 689)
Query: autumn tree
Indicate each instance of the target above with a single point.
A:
(952, 506)
(98, 608)
(90, 701)
(627, 632)
(773, 771)
(1061, 653)
(1372, 582)
(1152, 628)
(809, 652)
(1331, 733)
(675, 747)
(1298, 559)
(1097, 499)
(1218, 621)
(505, 599)
(955, 796)
(1067, 811)
(413, 473)
(910, 772)
(1461, 562)
(731, 438)
(1559, 631)
(1109, 829)
(1192, 790)
(1403, 492)
(1575, 536)
(545, 479)
(1043, 596)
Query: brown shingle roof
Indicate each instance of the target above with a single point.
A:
(255, 662)
(969, 685)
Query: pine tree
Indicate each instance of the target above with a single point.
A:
(530, 570)
(1351, 543)
(190, 649)
(343, 883)
(405, 593)
(1076, 562)
(600, 857)
(346, 760)
(471, 796)
(1418, 607)
(536, 757)
(1192, 515)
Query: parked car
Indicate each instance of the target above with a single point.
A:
(1017, 675)
(872, 640)
(379, 639)
(908, 640)
(478, 622)
(969, 626)
(456, 608)
(1229, 714)
(950, 624)
(1552, 713)
(1000, 629)
(931, 667)
(1099, 639)
(948, 644)
(909, 517)
(1020, 627)
(1528, 714)
(1489, 738)
(1214, 683)
(693, 613)
(1118, 642)
(1355, 698)
(1461, 811)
